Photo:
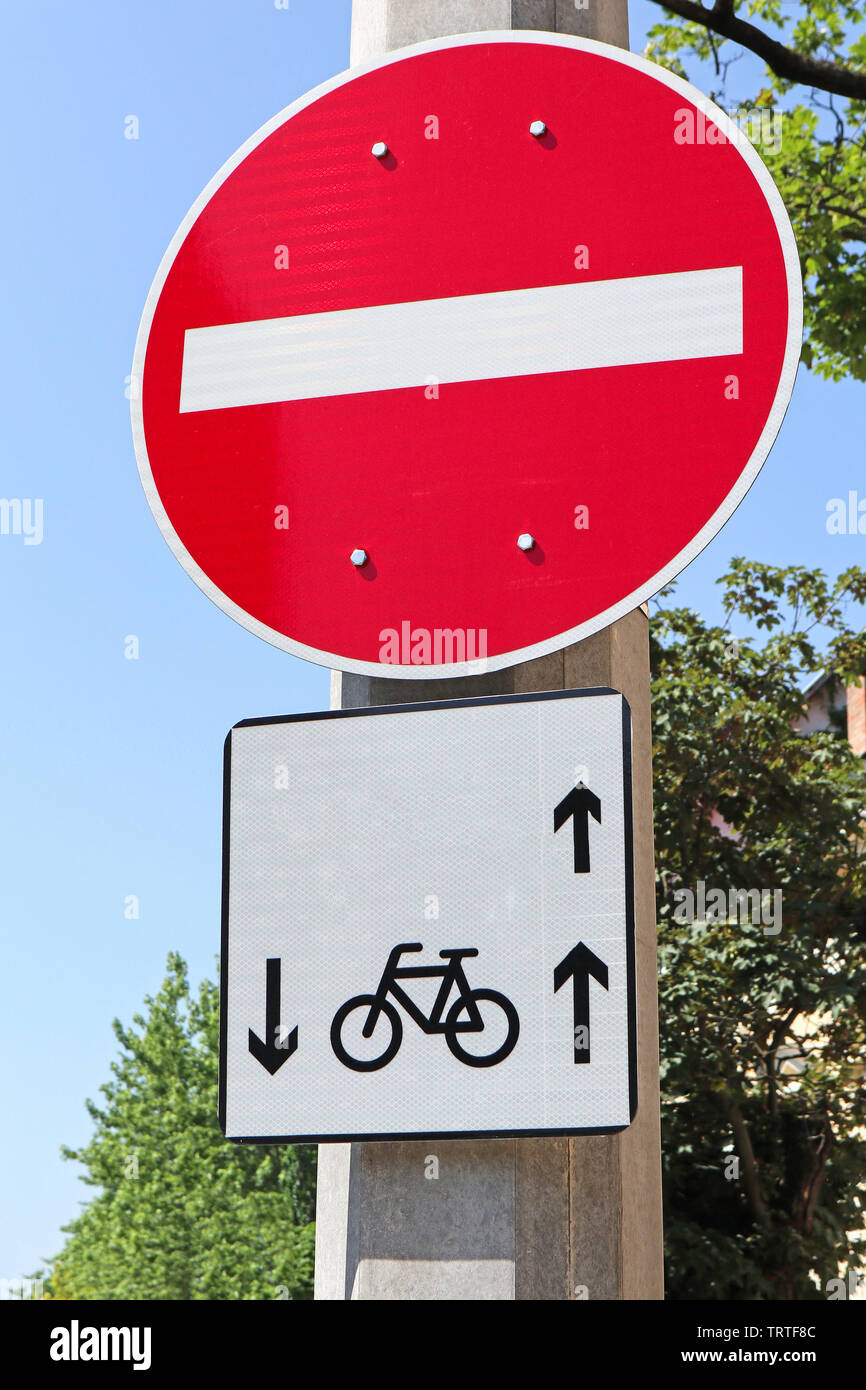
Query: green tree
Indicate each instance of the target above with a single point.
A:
(763, 1038)
(817, 153)
(180, 1213)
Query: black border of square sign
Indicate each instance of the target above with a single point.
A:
(409, 709)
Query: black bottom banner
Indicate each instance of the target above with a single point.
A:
(87, 1340)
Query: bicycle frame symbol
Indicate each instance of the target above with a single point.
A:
(451, 1026)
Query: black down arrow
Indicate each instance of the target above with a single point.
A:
(273, 1053)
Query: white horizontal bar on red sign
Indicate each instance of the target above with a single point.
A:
(474, 337)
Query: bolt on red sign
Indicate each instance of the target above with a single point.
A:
(465, 354)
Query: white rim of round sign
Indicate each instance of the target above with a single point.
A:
(684, 557)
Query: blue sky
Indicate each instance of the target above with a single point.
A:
(111, 769)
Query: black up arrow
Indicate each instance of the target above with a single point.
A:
(578, 965)
(580, 804)
(277, 1049)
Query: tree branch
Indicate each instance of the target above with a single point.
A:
(785, 62)
(781, 1031)
(779, 1035)
(750, 1167)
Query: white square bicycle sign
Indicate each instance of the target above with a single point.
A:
(428, 921)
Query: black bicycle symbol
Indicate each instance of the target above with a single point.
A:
(467, 1002)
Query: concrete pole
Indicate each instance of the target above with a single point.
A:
(509, 1218)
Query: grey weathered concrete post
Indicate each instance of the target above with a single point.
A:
(509, 1218)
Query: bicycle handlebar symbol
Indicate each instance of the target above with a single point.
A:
(468, 1001)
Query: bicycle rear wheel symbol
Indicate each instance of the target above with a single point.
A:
(472, 1011)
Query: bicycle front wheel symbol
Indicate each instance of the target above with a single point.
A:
(384, 1041)
(466, 1039)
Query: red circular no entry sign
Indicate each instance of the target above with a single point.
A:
(465, 354)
